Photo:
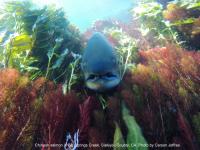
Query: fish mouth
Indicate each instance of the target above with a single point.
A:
(101, 83)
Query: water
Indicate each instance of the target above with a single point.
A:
(109, 74)
(84, 13)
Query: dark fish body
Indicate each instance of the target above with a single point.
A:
(99, 64)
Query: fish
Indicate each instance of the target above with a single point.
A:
(100, 64)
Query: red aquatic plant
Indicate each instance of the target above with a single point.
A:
(174, 12)
(8, 83)
(128, 97)
(85, 119)
(101, 120)
(177, 69)
(96, 137)
(114, 112)
(186, 132)
(168, 75)
(39, 83)
(37, 111)
(60, 115)
(162, 92)
(16, 102)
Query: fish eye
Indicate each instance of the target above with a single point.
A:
(92, 77)
(109, 74)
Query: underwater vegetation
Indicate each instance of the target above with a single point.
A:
(30, 113)
(37, 40)
(184, 16)
(168, 91)
(42, 93)
(177, 23)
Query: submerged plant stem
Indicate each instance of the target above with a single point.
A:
(22, 131)
(162, 121)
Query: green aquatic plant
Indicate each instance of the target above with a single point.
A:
(184, 17)
(126, 47)
(39, 41)
(152, 24)
(73, 75)
(135, 138)
(118, 137)
(180, 12)
(103, 102)
(15, 45)
(55, 41)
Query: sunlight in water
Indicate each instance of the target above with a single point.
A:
(58, 3)
(84, 12)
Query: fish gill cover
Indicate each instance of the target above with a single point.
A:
(42, 92)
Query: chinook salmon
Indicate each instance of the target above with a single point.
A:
(99, 64)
